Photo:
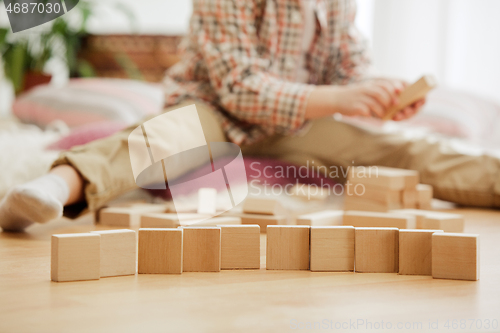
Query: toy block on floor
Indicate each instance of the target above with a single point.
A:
(455, 256)
(160, 251)
(262, 220)
(207, 201)
(325, 217)
(359, 204)
(240, 246)
(332, 248)
(168, 220)
(411, 94)
(202, 249)
(382, 196)
(214, 221)
(376, 250)
(415, 251)
(309, 192)
(442, 221)
(379, 220)
(264, 206)
(75, 257)
(287, 247)
(409, 199)
(384, 177)
(128, 217)
(424, 196)
(118, 252)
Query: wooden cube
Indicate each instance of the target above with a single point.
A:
(380, 195)
(262, 220)
(324, 217)
(390, 178)
(415, 251)
(207, 201)
(287, 247)
(376, 250)
(455, 256)
(240, 246)
(118, 252)
(379, 220)
(168, 220)
(332, 248)
(160, 251)
(424, 196)
(75, 257)
(128, 217)
(409, 199)
(202, 249)
(262, 206)
(360, 204)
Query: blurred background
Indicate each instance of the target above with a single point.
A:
(456, 40)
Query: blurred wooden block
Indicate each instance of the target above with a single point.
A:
(409, 199)
(118, 252)
(359, 204)
(263, 221)
(168, 220)
(415, 251)
(128, 217)
(455, 256)
(325, 217)
(384, 177)
(202, 249)
(376, 250)
(207, 201)
(309, 192)
(75, 257)
(240, 246)
(332, 248)
(379, 220)
(424, 196)
(160, 251)
(215, 221)
(379, 195)
(287, 247)
(442, 221)
(262, 206)
(411, 94)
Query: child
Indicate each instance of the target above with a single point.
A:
(268, 76)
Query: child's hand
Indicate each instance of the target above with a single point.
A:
(409, 111)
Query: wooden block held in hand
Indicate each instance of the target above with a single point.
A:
(376, 250)
(411, 94)
(240, 246)
(118, 252)
(75, 257)
(264, 206)
(415, 251)
(287, 247)
(379, 220)
(332, 248)
(202, 249)
(455, 256)
(207, 201)
(324, 217)
(160, 251)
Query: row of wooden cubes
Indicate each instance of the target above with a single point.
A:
(89, 256)
(375, 250)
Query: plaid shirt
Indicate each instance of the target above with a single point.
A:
(241, 57)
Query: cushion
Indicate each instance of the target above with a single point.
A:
(85, 101)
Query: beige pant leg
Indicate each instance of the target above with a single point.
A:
(456, 176)
(105, 164)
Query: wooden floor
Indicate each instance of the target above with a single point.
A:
(243, 301)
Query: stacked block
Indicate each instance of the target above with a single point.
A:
(263, 212)
(415, 251)
(455, 256)
(376, 219)
(309, 192)
(118, 252)
(160, 251)
(202, 249)
(287, 247)
(325, 217)
(75, 257)
(376, 250)
(240, 246)
(381, 189)
(332, 248)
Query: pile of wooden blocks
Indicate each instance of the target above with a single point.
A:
(89, 256)
(382, 189)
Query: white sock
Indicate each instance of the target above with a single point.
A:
(40, 200)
